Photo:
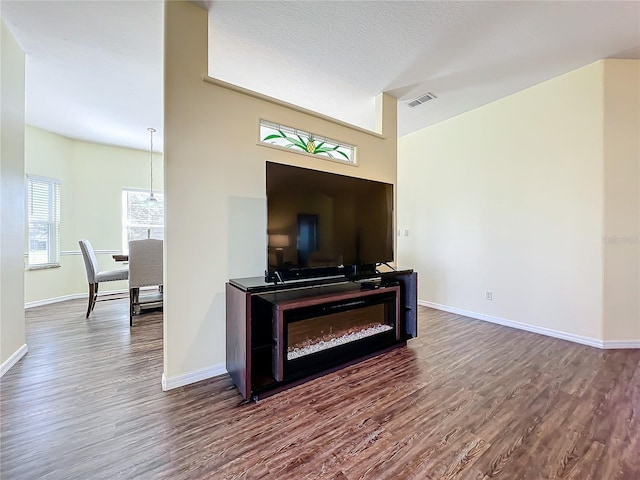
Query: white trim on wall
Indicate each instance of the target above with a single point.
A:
(78, 252)
(169, 383)
(49, 301)
(13, 359)
(97, 252)
(620, 344)
(592, 342)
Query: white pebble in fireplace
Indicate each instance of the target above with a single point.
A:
(297, 352)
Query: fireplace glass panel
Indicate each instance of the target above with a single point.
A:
(316, 334)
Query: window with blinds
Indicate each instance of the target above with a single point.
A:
(141, 217)
(43, 216)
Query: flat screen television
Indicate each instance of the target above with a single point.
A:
(325, 224)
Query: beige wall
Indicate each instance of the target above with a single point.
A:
(215, 188)
(518, 198)
(622, 200)
(508, 198)
(12, 208)
(92, 178)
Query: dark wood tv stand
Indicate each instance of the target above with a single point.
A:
(271, 329)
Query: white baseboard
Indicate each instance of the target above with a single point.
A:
(73, 296)
(592, 342)
(192, 377)
(49, 301)
(620, 344)
(13, 359)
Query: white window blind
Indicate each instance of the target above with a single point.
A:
(43, 215)
(141, 218)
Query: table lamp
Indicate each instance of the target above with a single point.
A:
(279, 242)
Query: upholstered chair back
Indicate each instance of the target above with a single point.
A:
(90, 261)
(145, 263)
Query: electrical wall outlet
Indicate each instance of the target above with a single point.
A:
(488, 295)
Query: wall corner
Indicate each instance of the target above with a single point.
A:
(386, 115)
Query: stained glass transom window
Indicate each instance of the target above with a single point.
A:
(301, 141)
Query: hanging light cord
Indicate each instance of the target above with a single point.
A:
(151, 132)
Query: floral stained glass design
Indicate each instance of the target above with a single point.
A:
(305, 142)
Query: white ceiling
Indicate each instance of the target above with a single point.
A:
(94, 69)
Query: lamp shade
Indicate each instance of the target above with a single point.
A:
(278, 241)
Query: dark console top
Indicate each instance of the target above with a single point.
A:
(258, 284)
(335, 289)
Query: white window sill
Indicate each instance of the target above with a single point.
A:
(43, 267)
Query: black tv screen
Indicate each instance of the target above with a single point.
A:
(321, 223)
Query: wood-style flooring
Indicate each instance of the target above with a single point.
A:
(465, 400)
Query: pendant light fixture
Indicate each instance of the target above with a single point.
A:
(151, 197)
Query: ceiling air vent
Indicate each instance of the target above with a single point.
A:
(420, 100)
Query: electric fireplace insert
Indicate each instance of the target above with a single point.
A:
(311, 332)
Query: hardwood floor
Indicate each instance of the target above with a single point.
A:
(466, 400)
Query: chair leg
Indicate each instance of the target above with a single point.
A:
(91, 299)
(95, 295)
(133, 299)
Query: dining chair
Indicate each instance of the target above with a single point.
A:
(145, 270)
(95, 276)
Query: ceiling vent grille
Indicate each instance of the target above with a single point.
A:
(423, 99)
